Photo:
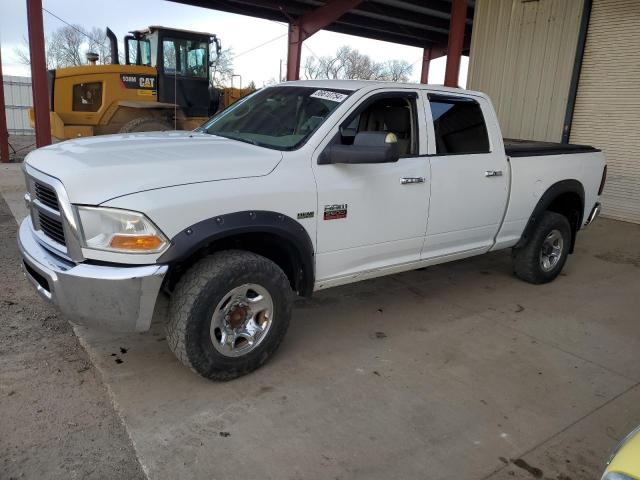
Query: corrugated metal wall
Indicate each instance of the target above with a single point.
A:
(18, 98)
(522, 55)
(607, 111)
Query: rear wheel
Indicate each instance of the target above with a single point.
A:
(228, 314)
(542, 258)
(146, 124)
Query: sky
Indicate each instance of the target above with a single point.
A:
(244, 34)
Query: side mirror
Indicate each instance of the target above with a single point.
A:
(368, 147)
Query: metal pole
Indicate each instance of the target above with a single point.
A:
(456, 42)
(4, 133)
(294, 51)
(308, 24)
(39, 73)
(426, 61)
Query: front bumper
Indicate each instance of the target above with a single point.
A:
(112, 298)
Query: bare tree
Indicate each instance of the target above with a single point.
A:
(98, 42)
(68, 46)
(22, 53)
(349, 63)
(222, 69)
(397, 70)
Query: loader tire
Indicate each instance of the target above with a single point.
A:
(145, 124)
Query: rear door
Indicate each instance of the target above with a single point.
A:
(469, 175)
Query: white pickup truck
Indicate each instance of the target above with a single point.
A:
(296, 188)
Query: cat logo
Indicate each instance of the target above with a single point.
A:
(145, 82)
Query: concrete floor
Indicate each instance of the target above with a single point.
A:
(457, 371)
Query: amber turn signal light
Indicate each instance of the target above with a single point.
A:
(136, 242)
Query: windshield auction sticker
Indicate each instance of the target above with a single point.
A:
(329, 95)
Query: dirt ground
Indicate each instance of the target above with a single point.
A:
(56, 418)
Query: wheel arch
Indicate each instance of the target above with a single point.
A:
(273, 235)
(565, 197)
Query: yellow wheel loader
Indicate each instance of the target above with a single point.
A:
(164, 85)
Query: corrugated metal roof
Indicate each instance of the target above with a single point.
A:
(418, 23)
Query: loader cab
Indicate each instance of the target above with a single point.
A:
(182, 59)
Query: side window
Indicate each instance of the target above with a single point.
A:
(87, 97)
(145, 52)
(169, 56)
(459, 125)
(394, 114)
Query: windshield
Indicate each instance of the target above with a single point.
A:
(281, 118)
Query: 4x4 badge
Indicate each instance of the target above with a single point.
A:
(303, 215)
(335, 212)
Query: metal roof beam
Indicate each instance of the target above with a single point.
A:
(309, 23)
(433, 8)
(403, 17)
(376, 35)
(425, 36)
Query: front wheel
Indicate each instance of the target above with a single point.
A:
(542, 258)
(228, 314)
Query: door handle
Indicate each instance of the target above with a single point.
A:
(410, 180)
(493, 173)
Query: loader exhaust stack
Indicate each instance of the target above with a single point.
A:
(113, 41)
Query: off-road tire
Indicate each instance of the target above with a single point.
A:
(195, 298)
(526, 259)
(145, 124)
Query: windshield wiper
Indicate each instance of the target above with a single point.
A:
(244, 140)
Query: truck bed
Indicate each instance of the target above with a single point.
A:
(532, 148)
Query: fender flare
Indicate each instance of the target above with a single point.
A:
(196, 237)
(547, 198)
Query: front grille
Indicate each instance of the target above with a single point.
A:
(46, 195)
(52, 228)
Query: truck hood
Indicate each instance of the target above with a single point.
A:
(96, 169)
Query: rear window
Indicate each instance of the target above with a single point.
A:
(459, 125)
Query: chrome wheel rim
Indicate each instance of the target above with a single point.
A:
(241, 320)
(551, 251)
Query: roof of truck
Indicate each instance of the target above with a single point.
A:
(371, 84)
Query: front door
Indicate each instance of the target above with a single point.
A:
(372, 216)
(469, 177)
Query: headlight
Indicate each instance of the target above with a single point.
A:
(616, 476)
(117, 230)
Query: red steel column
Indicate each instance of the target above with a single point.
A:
(4, 133)
(38, 72)
(308, 24)
(294, 51)
(456, 41)
(426, 60)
